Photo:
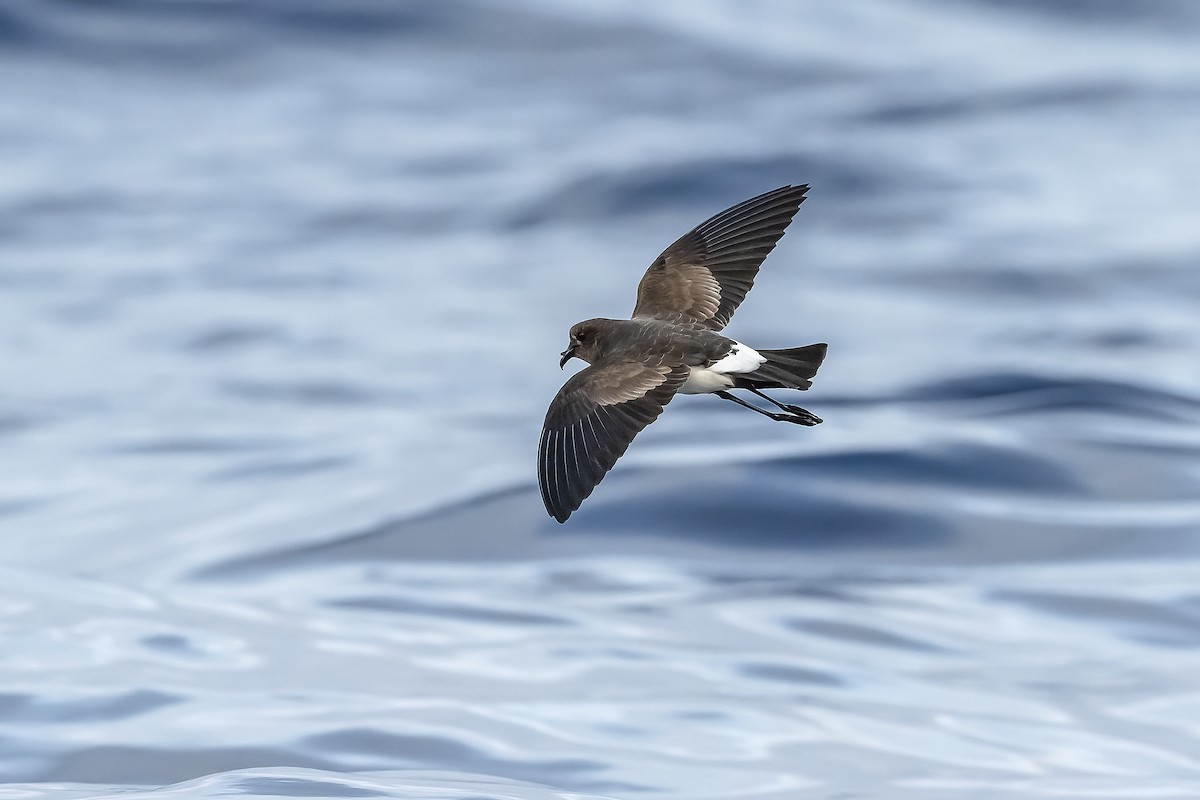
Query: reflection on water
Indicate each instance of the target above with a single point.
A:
(285, 285)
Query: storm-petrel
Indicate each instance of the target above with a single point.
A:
(670, 345)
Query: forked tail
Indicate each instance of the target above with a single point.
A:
(785, 369)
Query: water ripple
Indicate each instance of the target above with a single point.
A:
(286, 282)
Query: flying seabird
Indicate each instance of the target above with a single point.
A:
(671, 345)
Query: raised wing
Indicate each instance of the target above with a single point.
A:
(590, 424)
(706, 274)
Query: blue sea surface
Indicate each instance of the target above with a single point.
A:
(283, 285)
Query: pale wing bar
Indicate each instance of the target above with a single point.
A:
(706, 273)
(588, 427)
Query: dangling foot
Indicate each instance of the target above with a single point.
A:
(799, 416)
(806, 417)
(802, 416)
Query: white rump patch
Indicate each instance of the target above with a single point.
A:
(740, 359)
(715, 377)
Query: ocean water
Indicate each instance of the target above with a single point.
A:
(282, 289)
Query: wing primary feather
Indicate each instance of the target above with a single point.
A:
(771, 202)
(738, 240)
(765, 218)
(730, 264)
(601, 444)
(543, 483)
(750, 207)
(588, 438)
(564, 487)
(609, 444)
(575, 478)
(596, 458)
(568, 499)
(575, 447)
(562, 470)
(552, 468)
(745, 241)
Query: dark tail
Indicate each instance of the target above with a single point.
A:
(785, 369)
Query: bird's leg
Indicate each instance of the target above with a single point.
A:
(812, 419)
(799, 420)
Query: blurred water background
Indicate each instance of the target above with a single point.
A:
(282, 289)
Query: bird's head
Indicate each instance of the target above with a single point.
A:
(585, 342)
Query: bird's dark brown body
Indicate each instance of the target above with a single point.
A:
(649, 341)
(671, 345)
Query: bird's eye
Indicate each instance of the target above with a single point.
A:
(579, 337)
